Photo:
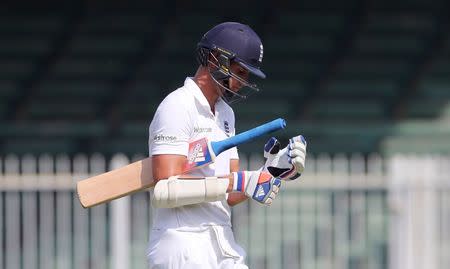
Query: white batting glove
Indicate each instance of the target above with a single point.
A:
(259, 185)
(288, 163)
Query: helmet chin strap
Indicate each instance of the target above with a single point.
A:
(221, 76)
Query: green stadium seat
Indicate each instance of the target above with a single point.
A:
(135, 129)
(96, 68)
(423, 128)
(313, 22)
(30, 24)
(300, 45)
(180, 47)
(195, 24)
(3, 110)
(276, 89)
(341, 128)
(418, 6)
(8, 90)
(292, 68)
(393, 44)
(364, 110)
(373, 68)
(54, 129)
(422, 108)
(434, 89)
(415, 145)
(263, 109)
(126, 145)
(439, 70)
(38, 146)
(65, 110)
(362, 88)
(166, 70)
(16, 69)
(142, 90)
(25, 46)
(142, 110)
(76, 90)
(399, 23)
(135, 24)
(113, 46)
(141, 100)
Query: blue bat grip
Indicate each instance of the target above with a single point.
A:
(220, 146)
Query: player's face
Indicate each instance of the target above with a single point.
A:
(239, 71)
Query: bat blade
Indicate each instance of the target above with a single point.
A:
(116, 183)
(138, 175)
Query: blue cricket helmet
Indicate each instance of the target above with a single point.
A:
(239, 42)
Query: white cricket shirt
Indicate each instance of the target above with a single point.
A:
(182, 117)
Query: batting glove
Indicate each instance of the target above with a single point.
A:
(259, 185)
(288, 163)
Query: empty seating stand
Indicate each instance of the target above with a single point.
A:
(335, 72)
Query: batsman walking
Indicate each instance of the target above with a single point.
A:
(196, 233)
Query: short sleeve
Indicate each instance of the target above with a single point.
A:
(170, 130)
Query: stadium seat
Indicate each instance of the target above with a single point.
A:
(87, 67)
(135, 129)
(126, 145)
(28, 46)
(263, 109)
(3, 110)
(54, 129)
(362, 88)
(434, 89)
(8, 89)
(281, 89)
(113, 46)
(312, 22)
(440, 70)
(363, 110)
(38, 146)
(419, 108)
(23, 23)
(399, 22)
(415, 145)
(372, 68)
(16, 69)
(293, 69)
(66, 110)
(119, 63)
(300, 45)
(389, 44)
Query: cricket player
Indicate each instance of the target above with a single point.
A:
(196, 233)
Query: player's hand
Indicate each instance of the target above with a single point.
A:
(259, 185)
(288, 163)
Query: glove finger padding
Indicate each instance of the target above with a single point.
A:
(271, 147)
(297, 153)
(297, 139)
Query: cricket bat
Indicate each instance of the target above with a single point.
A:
(138, 176)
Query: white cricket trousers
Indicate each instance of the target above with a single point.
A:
(212, 248)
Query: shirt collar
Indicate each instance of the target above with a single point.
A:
(198, 94)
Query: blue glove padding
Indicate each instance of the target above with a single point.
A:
(258, 185)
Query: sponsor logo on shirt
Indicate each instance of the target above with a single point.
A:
(226, 127)
(164, 138)
(202, 129)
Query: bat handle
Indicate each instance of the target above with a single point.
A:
(221, 146)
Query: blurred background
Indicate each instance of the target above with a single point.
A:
(367, 82)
